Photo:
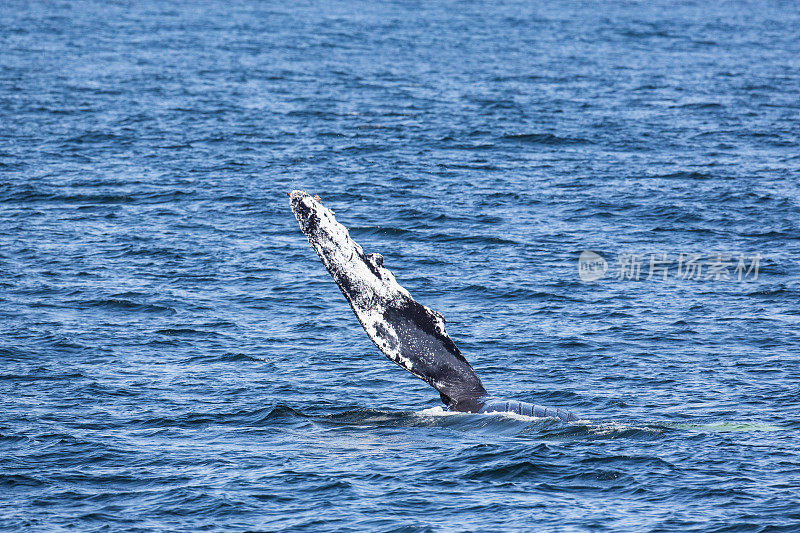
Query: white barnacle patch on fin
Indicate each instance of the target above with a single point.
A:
(375, 259)
(375, 262)
(440, 321)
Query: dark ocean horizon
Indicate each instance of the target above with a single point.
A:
(174, 357)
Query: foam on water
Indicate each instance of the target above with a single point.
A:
(733, 427)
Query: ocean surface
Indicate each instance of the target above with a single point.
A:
(174, 357)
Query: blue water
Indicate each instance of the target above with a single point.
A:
(174, 357)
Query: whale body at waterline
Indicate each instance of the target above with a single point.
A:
(407, 332)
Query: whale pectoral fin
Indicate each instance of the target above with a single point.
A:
(407, 332)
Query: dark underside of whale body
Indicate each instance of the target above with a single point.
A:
(407, 332)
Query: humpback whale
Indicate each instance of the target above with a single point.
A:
(407, 332)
